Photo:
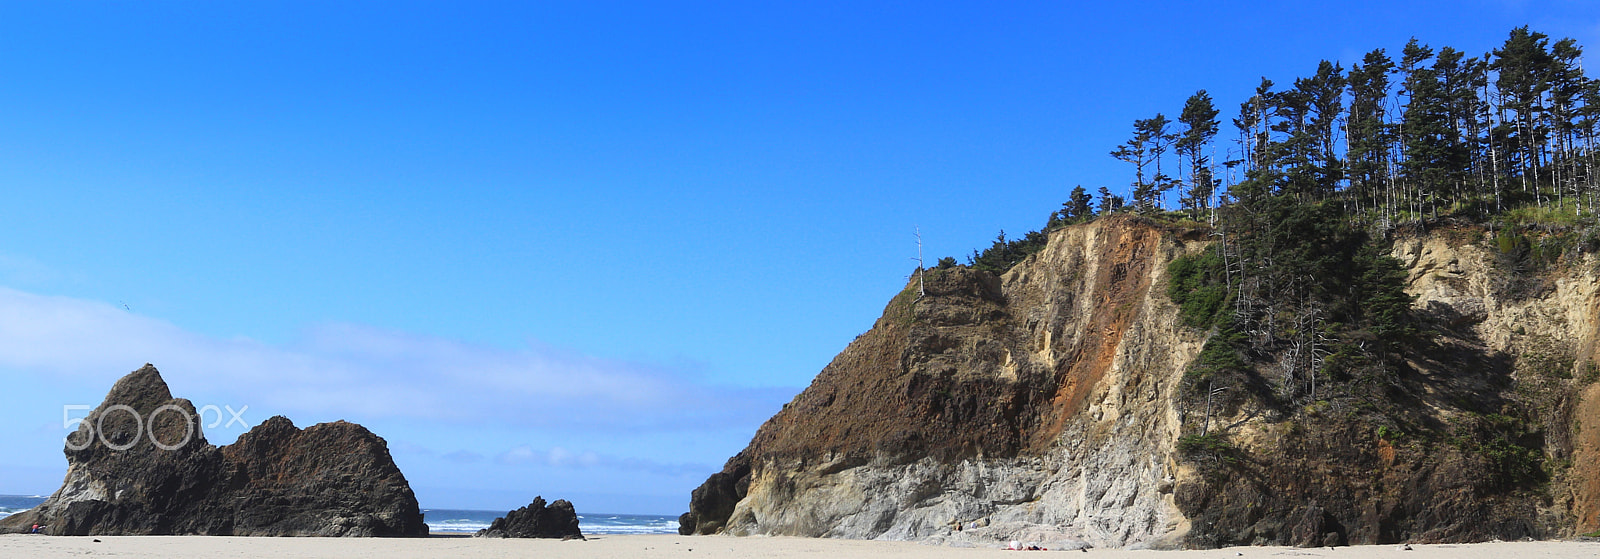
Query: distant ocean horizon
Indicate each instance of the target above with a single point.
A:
(464, 521)
(468, 521)
(12, 504)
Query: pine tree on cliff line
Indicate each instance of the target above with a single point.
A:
(1324, 97)
(1077, 205)
(1423, 130)
(1522, 67)
(1367, 138)
(1199, 117)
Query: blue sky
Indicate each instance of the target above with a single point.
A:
(578, 250)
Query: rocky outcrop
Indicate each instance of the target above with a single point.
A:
(139, 464)
(1047, 405)
(537, 520)
(1033, 403)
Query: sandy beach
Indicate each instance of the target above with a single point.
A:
(715, 547)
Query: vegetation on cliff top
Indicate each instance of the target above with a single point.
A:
(1306, 316)
(1506, 139)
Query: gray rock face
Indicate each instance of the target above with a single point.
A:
(1048, 406)
(1034, 407)
(139, 464)
(537, 520)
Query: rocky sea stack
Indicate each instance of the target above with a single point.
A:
(140, 465)
(1068, 401)
(537, 520)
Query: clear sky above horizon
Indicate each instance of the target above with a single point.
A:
(574, 250)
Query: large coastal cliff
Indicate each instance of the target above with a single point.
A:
(1048, 404)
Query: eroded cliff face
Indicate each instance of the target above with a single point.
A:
(1046, 405)
(1035, 402)
(1543, 334)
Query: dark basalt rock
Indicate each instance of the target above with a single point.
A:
(713, 502)
(536, 520)
(139, 464)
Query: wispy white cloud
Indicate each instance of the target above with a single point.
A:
(355, 370)
(463, 457)
(19, 269)
(558, 457)
(408, 447)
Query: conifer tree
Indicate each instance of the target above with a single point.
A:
(1308, 114)
(1523, 65)
(1458, 87)
(1423, 130)
(1566, 90)
(1293, 154)
(1588, 122)
(1368, 130)
(1135, 151)
(1077, 205)
(1200, 118)
(1255, 117)
(1260, 152)
(1109, 203)
(1456, 137)
(1150, 140)
(1160, 141)
(1324, 96)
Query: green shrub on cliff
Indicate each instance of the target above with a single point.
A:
(1509, 445)
(1213, 447)
(1196, 285)
(1218, 359)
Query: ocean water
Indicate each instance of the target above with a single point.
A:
(464, 521)
(468, 521)
(17, 503)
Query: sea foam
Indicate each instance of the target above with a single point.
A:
(467, 521)
(12, 504)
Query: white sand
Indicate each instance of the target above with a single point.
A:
(714, 547)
